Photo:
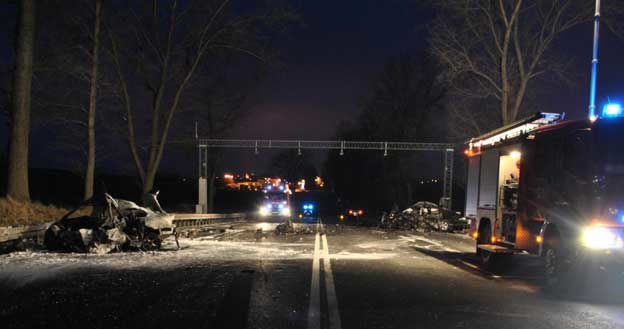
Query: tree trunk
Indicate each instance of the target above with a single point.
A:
(17, 187)
(90, 172)
(150, 177)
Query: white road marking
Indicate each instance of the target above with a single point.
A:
(433, 243)
(475, 267)
(332, 300)
(314, 310)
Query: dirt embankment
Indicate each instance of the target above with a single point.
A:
(14, 213)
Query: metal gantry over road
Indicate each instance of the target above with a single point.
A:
(342, 146)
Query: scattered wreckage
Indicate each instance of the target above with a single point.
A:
(424, 216)
(114, 225)
(288, 227)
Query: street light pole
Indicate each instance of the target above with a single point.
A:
(594, 72)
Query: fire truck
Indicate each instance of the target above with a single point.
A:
(276, 199)
(548, 187)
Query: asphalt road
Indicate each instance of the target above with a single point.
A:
(243, 275)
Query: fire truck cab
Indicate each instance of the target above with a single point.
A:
(276, 200)
(548, 187)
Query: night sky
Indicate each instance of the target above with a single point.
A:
(329, 63)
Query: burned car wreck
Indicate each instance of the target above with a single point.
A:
(424, 216)
(114, 225)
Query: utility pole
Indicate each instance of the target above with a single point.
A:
(594, 72)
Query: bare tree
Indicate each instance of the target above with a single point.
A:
(71, 79)
(17, 187)
(168, 53)
(221, 100)
(498, 50)
(90, 170)
(404, 104)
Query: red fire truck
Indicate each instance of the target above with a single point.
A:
(550, 187)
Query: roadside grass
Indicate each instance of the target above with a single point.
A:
(14, 213)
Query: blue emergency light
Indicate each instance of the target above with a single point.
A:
(308, 207)
(612, 110)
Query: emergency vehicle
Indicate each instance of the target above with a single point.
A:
(276, 200)
(549, 187)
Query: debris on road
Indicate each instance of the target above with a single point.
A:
(114, 225)
(398, 221)
(288, 227)
(285, 227)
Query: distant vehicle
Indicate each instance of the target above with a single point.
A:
(309, 211)
(549, 187)
(276, 202)
(355, 213)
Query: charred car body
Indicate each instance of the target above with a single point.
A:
(425, 216)
(114, 225)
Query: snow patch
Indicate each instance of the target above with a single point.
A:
(345, 255)
(25, 267)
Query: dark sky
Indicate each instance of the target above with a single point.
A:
(329, 64)
(330, 61)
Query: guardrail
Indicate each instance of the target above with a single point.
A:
(180, 221)
(194, 221)
(24, 231)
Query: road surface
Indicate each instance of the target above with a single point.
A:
(243, 275)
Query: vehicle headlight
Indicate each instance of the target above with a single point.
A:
(264, 211)
(285, 211)
(600, 238)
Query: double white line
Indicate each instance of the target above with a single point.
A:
(314, 311)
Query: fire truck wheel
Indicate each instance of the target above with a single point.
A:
(485, 234)
(553, 266)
